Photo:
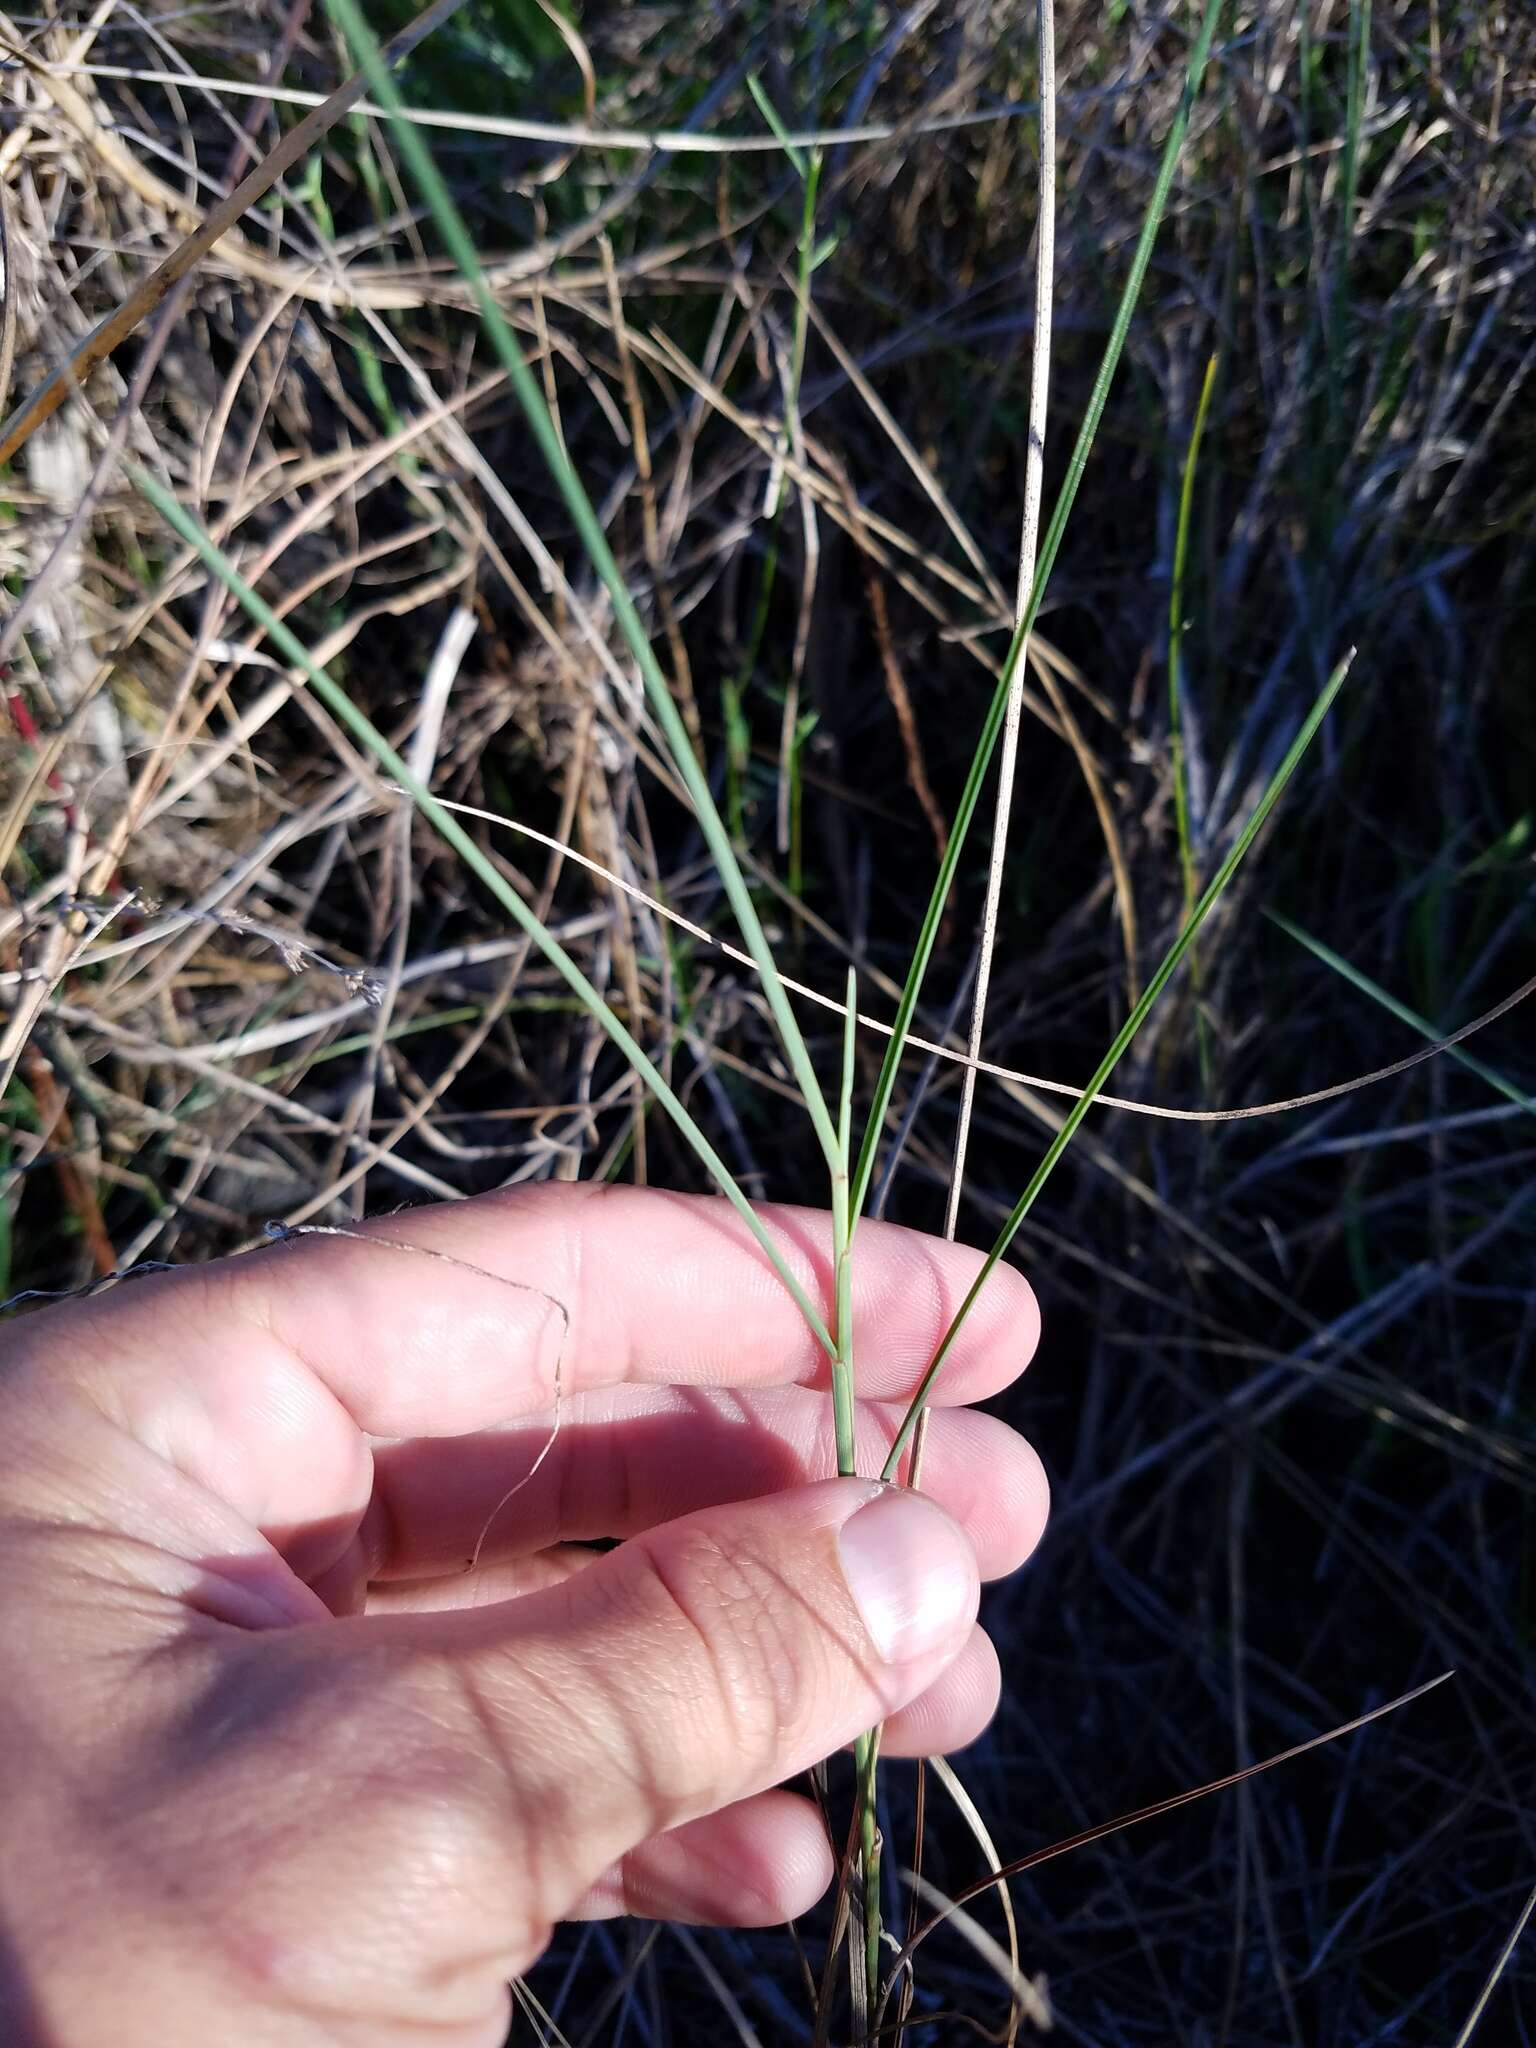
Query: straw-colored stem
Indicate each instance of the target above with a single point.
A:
(1029, 542)
(1050, 547)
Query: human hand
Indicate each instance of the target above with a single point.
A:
(278, 1766)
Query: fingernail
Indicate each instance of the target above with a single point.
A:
(911, 1572)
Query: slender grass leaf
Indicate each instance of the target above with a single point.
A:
(1401, 1011)
(1049, 549)
(460, 245)
(1128, 1030)
(770, 114)
(363, 729)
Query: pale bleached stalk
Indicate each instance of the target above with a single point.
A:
(1029, 541)
(1034, 475)
(561, 134)
(1497, 1972)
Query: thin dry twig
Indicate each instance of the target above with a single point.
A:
(1019, 1864)
(906, 718)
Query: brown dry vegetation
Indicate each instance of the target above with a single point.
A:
(1288, 1383)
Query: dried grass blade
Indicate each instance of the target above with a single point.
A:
(1081, 1840)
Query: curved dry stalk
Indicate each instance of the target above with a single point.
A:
(265, 1037)
(1028, 2002)
(586, 134)
(1030, 1996)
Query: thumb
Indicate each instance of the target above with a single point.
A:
(704, 1661)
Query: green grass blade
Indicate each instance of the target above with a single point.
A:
(363, 729)
(770, 114)
(1123, 1037)
(1050, 547)
(1401, 1011)
(460, 245)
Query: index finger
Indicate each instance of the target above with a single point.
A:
(253, 1367)
(651, 1287)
